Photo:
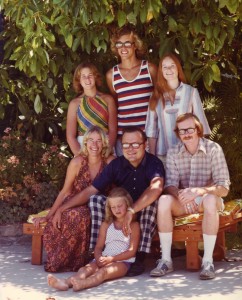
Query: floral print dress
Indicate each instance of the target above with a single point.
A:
(67, 247)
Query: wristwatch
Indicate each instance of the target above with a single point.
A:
(131, 210)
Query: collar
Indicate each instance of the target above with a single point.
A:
(180, 86)
(201, 147)
(127, 164)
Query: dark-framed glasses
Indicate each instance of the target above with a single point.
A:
(186, 130)
(127, 44)
(133, 145)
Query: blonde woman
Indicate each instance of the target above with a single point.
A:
(67, 244)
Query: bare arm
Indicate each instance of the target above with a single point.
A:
(133, 247)
(112, 119)
(71, 127)
(100, 241)
(79, 199)
(152, 145)
(192, 193)
(189, 194)
(109, 79)
(72, 171)
(150, 195)
(153, 72)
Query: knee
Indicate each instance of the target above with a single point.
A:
(104, 272)
(165, 203)
(210, 203)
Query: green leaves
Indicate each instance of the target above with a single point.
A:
(121, 18)
(45, 40)
(38, 104)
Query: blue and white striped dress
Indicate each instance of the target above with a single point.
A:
(161, 121)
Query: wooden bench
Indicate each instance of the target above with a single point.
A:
(190, 233)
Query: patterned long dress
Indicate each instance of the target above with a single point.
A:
(67, 247)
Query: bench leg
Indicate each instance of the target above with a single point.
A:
(193, 260)
(37, 248)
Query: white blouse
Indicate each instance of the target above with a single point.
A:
(161, 122)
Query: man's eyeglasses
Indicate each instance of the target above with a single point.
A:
(127, 44)
(186, 130)
(133, 145)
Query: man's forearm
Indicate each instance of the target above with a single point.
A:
(171, 190)
(79, 199)
(151, 194)
(217, 190)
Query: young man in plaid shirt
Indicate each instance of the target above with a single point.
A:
(197, 178)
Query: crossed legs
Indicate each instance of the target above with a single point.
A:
(89, 276)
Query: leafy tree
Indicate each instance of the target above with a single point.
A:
(45, 40)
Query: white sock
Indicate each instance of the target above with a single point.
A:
(209, 244)
(165, 245)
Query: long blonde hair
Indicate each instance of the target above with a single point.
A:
(115, 193)
(161, 85)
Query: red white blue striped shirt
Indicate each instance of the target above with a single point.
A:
(133, 97)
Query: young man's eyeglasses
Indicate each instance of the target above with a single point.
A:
(133, 145)
(186, 130)
(127, 44)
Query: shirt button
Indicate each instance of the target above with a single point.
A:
(134, 178)
(134, 188)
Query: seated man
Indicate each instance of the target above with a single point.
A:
(197, 177)
(142, 175)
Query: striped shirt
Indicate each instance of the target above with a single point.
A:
(207, 167)
(161, 121)
(133, 97)
(116, 242)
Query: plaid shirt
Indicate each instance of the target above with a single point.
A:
(207, 167)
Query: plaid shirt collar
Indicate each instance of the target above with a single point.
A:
(201, 147)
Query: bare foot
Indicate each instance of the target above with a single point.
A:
(77, 284)
(59, 284)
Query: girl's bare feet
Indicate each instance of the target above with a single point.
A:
(59, 284)
(77, 284)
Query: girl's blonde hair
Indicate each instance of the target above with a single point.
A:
(161, 85)
(127, 30)
(77, 75)
(106, 151)
(115, 193)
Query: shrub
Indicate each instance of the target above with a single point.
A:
(31, 174)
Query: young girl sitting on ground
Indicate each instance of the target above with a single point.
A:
(119, 252)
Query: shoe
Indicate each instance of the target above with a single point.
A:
(136, 269)
(163, 267)
(207, 271)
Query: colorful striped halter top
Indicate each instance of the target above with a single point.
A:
(92, 111)
(133, 97)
